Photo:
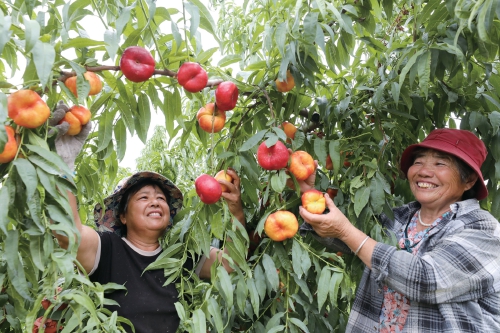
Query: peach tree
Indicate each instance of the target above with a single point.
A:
(370, 78)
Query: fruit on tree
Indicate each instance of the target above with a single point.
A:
(313, 201)
(346, 159)
(76, 117)
(289, 129)
(208, 189)
(332, 192)
(329, 163)
(49, 324)
(91, 77)
(226, 96)
(207, 115)
(222, 175)
(75, 126)
(137, 64)
(27, 108)
(192, 77)
(281, 225)
(81, 113)
(274, 157)
(301, 165)
(287, 85)
(10, 148)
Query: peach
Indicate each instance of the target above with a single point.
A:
(207, 115)
(27, 108)
(301, 165)
(281, 225)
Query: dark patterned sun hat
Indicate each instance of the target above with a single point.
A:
(107, 220)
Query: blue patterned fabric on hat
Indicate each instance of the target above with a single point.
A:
(107, 220)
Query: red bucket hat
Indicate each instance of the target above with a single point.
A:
(108, 220)
(459, 143)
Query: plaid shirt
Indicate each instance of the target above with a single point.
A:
(453, 282)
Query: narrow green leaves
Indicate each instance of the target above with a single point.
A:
(44, 56)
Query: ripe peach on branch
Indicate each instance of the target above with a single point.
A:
(137, 64)
(274, 157)
(10, 148)
(281, 225)
(208, 116)
(301, 165)
(27, 108)
(192, 77)
(91, 77)
(208, 189)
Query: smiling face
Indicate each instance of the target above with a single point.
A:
(147, 211)
(435, 180)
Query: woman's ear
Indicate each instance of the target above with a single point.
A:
(471, 182)
(123, 220)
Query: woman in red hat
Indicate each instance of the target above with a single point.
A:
(444, 275)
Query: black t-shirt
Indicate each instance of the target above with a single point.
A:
(146, 303)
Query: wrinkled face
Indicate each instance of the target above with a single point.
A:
(435, 180)
(147, 210)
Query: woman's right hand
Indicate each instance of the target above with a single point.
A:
(334, 224)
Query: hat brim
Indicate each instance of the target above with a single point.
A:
(107, 220)
(407, 160)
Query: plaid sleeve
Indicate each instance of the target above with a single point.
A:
(462, 266)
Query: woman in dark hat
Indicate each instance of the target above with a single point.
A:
(444, 275)
(129, 227)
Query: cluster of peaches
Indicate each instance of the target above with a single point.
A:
(27, 109)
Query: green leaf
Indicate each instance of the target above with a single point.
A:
(123, 19)
(299, 323)
(361, 199)
(120, 138)
(271, 273)
(15, 268)
(32, 34)
(253, 141)
(215, 311)
(241, 294)
(334, 287)
(28, 175)
(226, 286)
(320, 150)
(297, 253)
(278, 181)
(272, 324)
(280, 38)
(229, 60)
(323, 285)
(44, 56)
(37, 253)
(4, 212)
(5, 32)
(334, 151)
(112, 40)
(51, 158)
(377, 196)
(254, 295)
(195, 17)
(495, 121)
(143, 120)
(81, 42)
(105, 132)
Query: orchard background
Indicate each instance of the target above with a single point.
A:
(371, 77)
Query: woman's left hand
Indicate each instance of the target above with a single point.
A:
(233, 195)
